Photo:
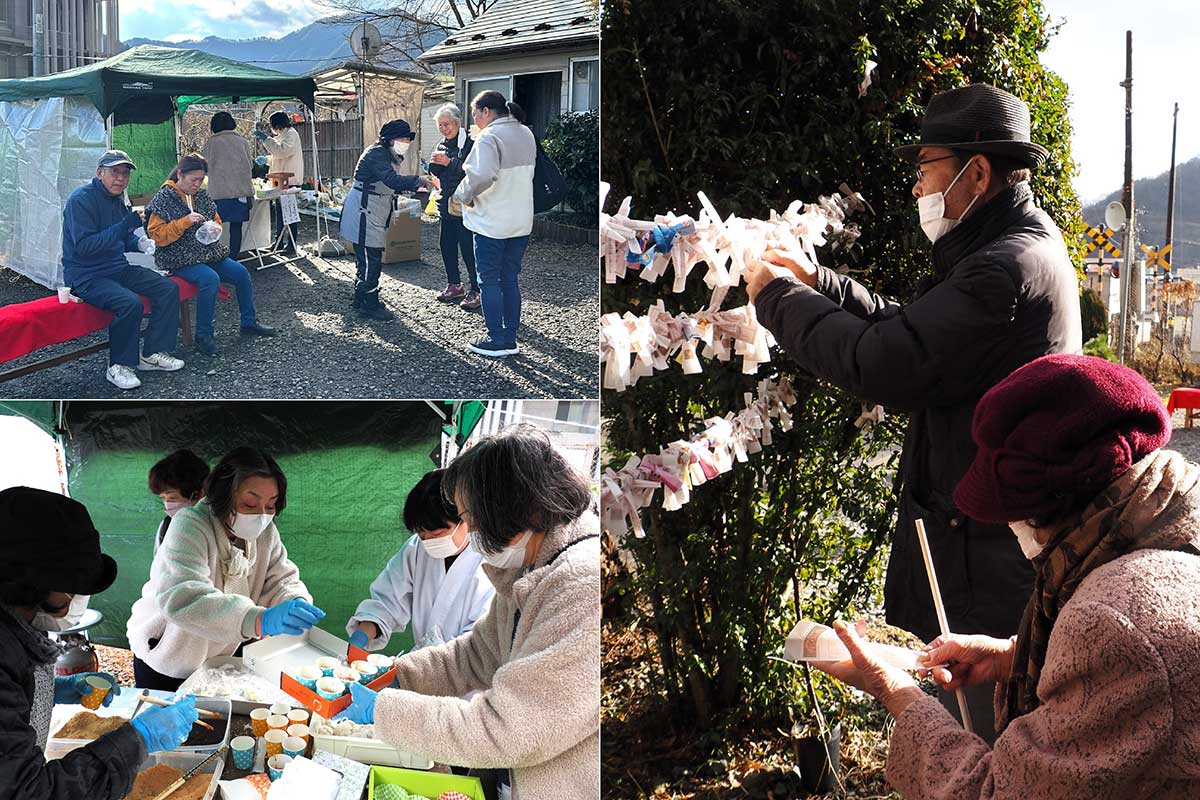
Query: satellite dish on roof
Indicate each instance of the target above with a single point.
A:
(365, 41)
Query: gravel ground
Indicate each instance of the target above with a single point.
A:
(116, 662)
(324, 350)
(1185, 440)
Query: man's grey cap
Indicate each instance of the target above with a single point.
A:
(115, 158)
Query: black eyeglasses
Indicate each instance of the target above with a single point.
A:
(921, 173)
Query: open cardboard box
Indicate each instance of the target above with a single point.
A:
(276, 657)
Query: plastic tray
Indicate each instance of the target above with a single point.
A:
(429, 784)
(185, 762)
(221, 705)
(121, 706)
(366, 751)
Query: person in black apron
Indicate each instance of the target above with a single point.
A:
(367, 211)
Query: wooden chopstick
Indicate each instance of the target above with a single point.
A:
(204, 712)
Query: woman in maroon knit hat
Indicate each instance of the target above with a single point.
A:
(1099, 692)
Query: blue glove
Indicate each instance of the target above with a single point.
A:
(71, 689)
(293, 616)
(362, 707)
(359, 639)
(260, 135)
(167, 727)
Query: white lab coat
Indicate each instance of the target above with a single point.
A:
(417, 589)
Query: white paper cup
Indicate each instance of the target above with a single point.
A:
(64, 294)
(380, 660)
(331, 688)
(299, 731)
(298, 716)
(277, 722)
(346, 674)
(327, 665)
(281, 709)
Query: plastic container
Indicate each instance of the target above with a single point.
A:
(366, 751)
(220, 705)
(121, 706)
(185, 762)
(429, 784)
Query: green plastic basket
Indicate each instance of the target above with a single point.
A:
(429, 784)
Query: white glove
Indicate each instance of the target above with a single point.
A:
(140, 233)
(147, 246)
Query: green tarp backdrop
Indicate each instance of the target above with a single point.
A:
(349, 467)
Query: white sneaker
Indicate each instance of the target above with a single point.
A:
(162, 361)
(122, 377)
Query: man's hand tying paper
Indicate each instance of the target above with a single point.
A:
(779, 264)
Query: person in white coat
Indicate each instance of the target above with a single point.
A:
(222, 576)
(287, 155)
(435, 584)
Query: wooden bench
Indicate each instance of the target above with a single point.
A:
(1189, 401)
(28, 327)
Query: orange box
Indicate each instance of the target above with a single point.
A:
(329, 708)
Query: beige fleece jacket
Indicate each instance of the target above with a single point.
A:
(229, 166)
(184, 604)
(1120, 702)
(537, 707)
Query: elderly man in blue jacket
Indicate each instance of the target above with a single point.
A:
(98, 229)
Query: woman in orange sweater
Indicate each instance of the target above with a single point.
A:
(178, 213)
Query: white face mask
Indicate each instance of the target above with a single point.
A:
(510, 557)
(44, 622)
(1027, 537)
(932, 210)
(442, 546)
(400, 146)
(173, 508)
(251, 526)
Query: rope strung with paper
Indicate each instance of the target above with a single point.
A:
(635, 346)
(687, 463)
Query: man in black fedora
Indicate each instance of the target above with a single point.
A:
(1003, 292)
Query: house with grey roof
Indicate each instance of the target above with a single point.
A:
(542, 54)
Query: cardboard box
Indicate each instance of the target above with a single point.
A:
(403, 241)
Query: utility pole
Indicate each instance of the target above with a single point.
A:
(1168, 243)
(1128, 289)
(39, 42)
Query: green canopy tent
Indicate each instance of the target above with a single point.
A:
(54, 128)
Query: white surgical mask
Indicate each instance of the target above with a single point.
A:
(251, 526)
(510, 557)
(1027, 537)
(442, 546)
(44, 622)
(400, 146)
(173, 508)
(932, 209)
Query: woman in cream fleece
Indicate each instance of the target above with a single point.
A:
(534, 658)
(1098, 694)
(221, 576)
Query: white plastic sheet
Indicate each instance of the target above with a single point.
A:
(48, 149)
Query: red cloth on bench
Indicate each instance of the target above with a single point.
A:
(1183, 398)
(26, 327)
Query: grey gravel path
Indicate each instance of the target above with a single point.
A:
(325, 351)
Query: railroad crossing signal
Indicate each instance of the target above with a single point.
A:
(1157, 258)
(1103, 240)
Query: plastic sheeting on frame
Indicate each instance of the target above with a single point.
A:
(48, 149)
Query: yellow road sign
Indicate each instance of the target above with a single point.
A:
(1103, 240)
(1157, 258)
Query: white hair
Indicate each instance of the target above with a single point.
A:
(448, 110)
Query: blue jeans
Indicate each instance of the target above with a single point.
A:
(498, 262)
(207, 279)
(120, 295)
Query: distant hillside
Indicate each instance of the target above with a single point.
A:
(1150, 198)
(322, 43)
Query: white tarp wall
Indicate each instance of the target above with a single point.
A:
(48, 149)
(30, 457)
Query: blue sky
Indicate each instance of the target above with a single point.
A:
(177, 20)
(1089, 53)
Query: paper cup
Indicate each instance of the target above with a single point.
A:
(366, 672)
(299, 730)
(100, 689)
(274, 740)
(347, 674)
(276, 765)
(327, 665)
(243, 751)
(281, 709)
(64, 294)
(277, 722)
(330, 688)
(298, 716)
(378, 659)
(308, 676)
(258, 721)
(294, 746)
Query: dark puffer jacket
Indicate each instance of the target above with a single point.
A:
(1004, 293)
(450, 175)
(102, 770)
